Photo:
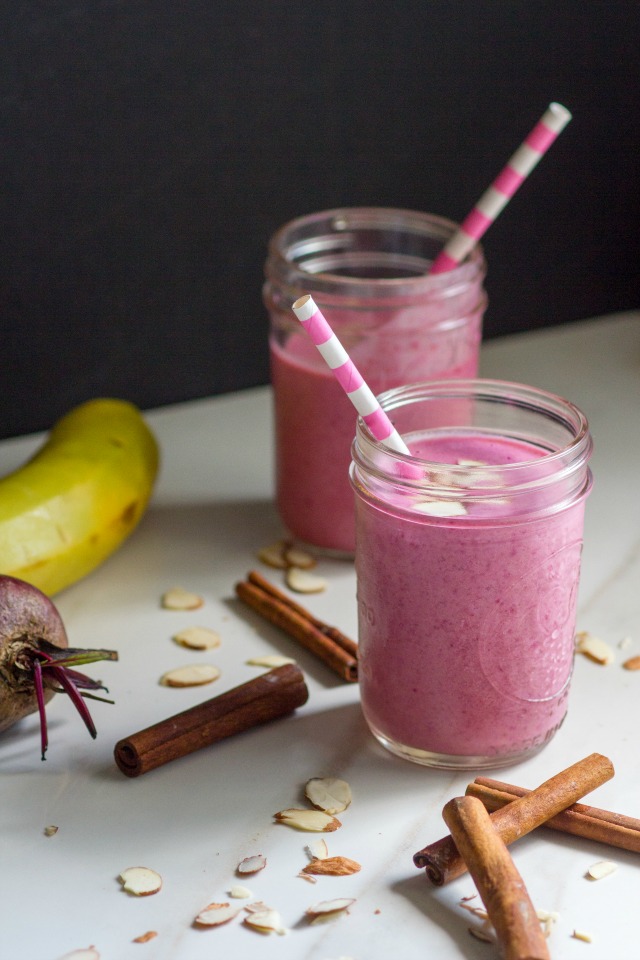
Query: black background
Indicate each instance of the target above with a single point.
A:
(150, 148)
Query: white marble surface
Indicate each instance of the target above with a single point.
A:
(193, 820)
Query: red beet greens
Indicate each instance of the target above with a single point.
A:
(36, 661)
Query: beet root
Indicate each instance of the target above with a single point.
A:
(35, 658)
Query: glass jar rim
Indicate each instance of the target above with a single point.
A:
(408, 473)
(283, 266)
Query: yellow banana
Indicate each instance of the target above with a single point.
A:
(70, 506)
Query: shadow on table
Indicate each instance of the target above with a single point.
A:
(439, 910)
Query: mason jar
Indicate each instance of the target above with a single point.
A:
(467, 561)
(367, 270)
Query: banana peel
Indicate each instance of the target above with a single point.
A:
(79, 497)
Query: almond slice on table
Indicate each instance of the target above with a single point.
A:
(601, 869)
(295, 557)
(194, 675)
(328, 793)
(258, 906)
(265, 921)
(633, 663)
(145, 937)
(274, 555)
(50, 831)
(580, 935)
(177, 598)
(548, 919)
(251, 865)
(270, 660)
(481, 934)
(198, 638)
(301, 581)
(140, 881)
(316, 821)
(594, 648)
(215, 914)
(239, 892)
(329, 909)
(317, 850)
(332, 867)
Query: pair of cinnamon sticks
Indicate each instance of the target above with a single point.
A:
(479, 839)
(329, 644)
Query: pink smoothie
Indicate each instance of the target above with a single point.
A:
(315, 422)
(466, 624)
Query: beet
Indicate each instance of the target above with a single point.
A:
(36, 660)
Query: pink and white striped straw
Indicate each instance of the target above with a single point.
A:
(346, 373)
(496, 197)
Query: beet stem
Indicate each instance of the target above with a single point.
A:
(76, 657)
(39, 688)
(69, 688)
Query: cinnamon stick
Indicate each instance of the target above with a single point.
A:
(326, 642)
(498, 881)
(580, 820)
(442, 860)
(267, 697)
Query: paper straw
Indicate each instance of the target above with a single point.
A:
(347, 375)
(493, 200)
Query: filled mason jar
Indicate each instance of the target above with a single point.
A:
(468, 560)
(367, 270)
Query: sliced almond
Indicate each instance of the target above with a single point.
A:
(270, 660)
(265, 921)
(140, 881)
(594, 648)
(318, 850)
(215, 914)
(547, 916)
(145, 937)
(633, 663)
(239, 893)
(332, 867)
(198, 638)
(481, 934)
(580, 935)
(329, 909)
(258, 906)
(316, 821)
(301, 581)
(194, 675)
(295, 557)
(251, 865)
(50, 831)
(441, 508)
(601, 869)
(274, 555)
(328, 793)
(179, 599)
